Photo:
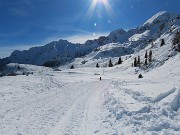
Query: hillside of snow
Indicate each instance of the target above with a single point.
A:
(76, 102)
(36, 100)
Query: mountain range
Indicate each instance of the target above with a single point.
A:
(161, 25)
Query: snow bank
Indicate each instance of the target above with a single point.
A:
(163, 95)
(175, 104)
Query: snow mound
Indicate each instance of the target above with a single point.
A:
(163, 95)
(175, 104)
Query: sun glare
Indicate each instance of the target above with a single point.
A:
(96, 9)
(105, 3)
(100, 1)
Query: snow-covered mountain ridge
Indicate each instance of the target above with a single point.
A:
(127, 42)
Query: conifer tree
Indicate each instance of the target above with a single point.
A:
(176, 39)
(110, 63)
(97, 65)
(146, 56)
(150, 53)
(145, 61)
(150, 56)
(178, 47)
(162, 42)
(139, 61)
(120, 60)
(18, 67)
(135, 62)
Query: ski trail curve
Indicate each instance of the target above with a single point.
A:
(83, 115)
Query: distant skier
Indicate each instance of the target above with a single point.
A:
(100, 78)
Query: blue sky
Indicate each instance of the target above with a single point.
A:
(26, 23)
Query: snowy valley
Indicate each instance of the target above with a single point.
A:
(57, 100)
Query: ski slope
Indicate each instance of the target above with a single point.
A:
(76, 102)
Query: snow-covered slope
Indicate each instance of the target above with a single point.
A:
(76, 102)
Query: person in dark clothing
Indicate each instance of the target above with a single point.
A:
(100, 78)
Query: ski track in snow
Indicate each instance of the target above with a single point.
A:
(82, 115)
(148, 117)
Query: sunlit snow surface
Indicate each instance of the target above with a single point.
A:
(77, 102)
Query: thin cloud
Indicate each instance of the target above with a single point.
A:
(83, 38)
(78, 38)
(18, 12)
(15, 34)
(20, 8)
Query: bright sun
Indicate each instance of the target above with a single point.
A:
(105, 3)
(101, 1)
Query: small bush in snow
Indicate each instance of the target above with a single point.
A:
(140, 76)
(97, 65)
(72, 67)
